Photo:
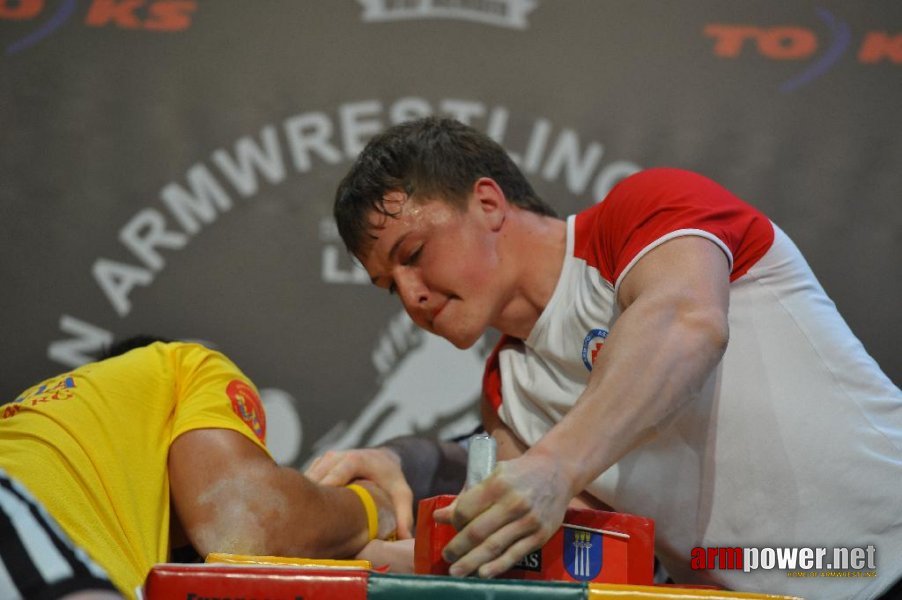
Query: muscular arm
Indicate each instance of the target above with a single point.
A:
(231, 497)
(671, 334)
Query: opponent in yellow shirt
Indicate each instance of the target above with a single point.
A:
(110, 447)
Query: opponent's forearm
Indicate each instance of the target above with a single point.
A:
(658, 355)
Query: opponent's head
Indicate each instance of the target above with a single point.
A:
(427, 159)
(127, 344)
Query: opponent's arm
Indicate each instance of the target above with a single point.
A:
(231, 497)
(671, 334)
(408, 468)
(431, 467)
(397, 556)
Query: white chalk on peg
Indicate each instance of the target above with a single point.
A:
(480, 459)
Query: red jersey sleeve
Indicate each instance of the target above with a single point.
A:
(652, 206)
(491, 378)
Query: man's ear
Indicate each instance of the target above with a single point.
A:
(491, 201)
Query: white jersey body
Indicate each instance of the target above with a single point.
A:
(796, 437)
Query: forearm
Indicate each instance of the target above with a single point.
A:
(231, 497)
(657, 357)
(280, 513)
(324, 522)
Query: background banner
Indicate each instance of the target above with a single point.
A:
(168, 167)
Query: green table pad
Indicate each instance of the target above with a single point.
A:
(386, 586)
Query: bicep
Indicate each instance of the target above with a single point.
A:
(685, 271)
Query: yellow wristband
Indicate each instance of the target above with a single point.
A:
(372, 515)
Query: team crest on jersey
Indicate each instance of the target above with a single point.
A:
(246, 404)
(592, 346)
(582, 553)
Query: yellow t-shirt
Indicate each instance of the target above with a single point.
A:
(92, 445)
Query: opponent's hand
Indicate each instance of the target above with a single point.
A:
(511, 513)
(385, 512)
(380, 465)
(397, 556)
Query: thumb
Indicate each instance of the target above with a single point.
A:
(402, 500)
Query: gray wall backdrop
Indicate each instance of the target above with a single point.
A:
(168, 166)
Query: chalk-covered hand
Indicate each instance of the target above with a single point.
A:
(511, 513)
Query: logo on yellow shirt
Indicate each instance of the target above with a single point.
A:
(55, 389)
(248, 407)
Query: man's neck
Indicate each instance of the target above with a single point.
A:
(535, 245)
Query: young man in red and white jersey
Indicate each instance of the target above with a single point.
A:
(668, 351)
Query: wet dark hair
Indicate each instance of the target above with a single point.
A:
(430, 158)
(124, 345)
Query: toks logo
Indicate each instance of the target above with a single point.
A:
(148, 15)
(787, 43)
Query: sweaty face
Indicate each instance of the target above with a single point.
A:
(440, 261)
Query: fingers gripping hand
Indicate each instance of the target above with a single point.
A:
(388, 523)
(508, 515)
(339, 467)
(379, 465)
